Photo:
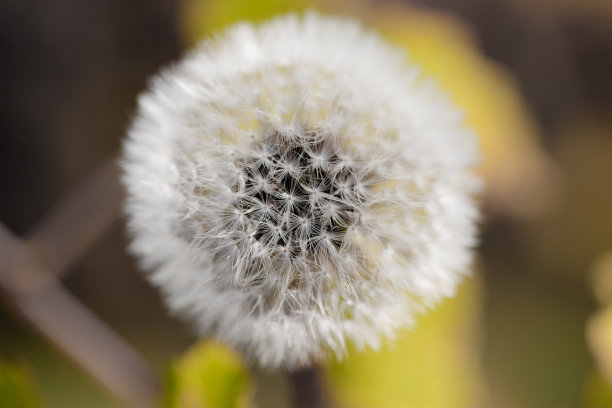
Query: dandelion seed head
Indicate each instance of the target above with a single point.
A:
(296, 185)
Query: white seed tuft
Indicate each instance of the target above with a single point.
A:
(296, 185)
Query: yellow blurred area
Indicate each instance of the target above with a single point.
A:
(200, 18)
(433, 365)
(598, 388)
(599, 339)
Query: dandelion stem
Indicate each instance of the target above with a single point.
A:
(307, 389)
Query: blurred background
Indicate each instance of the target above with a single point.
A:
(80, 327)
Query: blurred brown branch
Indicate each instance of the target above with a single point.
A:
(83, 216)
(28, 280)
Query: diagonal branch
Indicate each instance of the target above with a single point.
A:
(82, 217)
(40, 299)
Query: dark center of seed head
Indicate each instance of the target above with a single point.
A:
(306, 200)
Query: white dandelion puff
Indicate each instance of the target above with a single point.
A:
(295, 185)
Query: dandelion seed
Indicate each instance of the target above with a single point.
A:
(296, 185)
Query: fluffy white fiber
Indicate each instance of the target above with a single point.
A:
(295, 185)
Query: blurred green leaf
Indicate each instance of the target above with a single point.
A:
(17, 388)
(209, 375)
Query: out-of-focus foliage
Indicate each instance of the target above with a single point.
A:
(567, 241)
(598, 392)
(53, 379)
(433, 365)
(209, 375)
(200, 18)
(519, 177)
(599, 336)
(17, 389)
(598, 389)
